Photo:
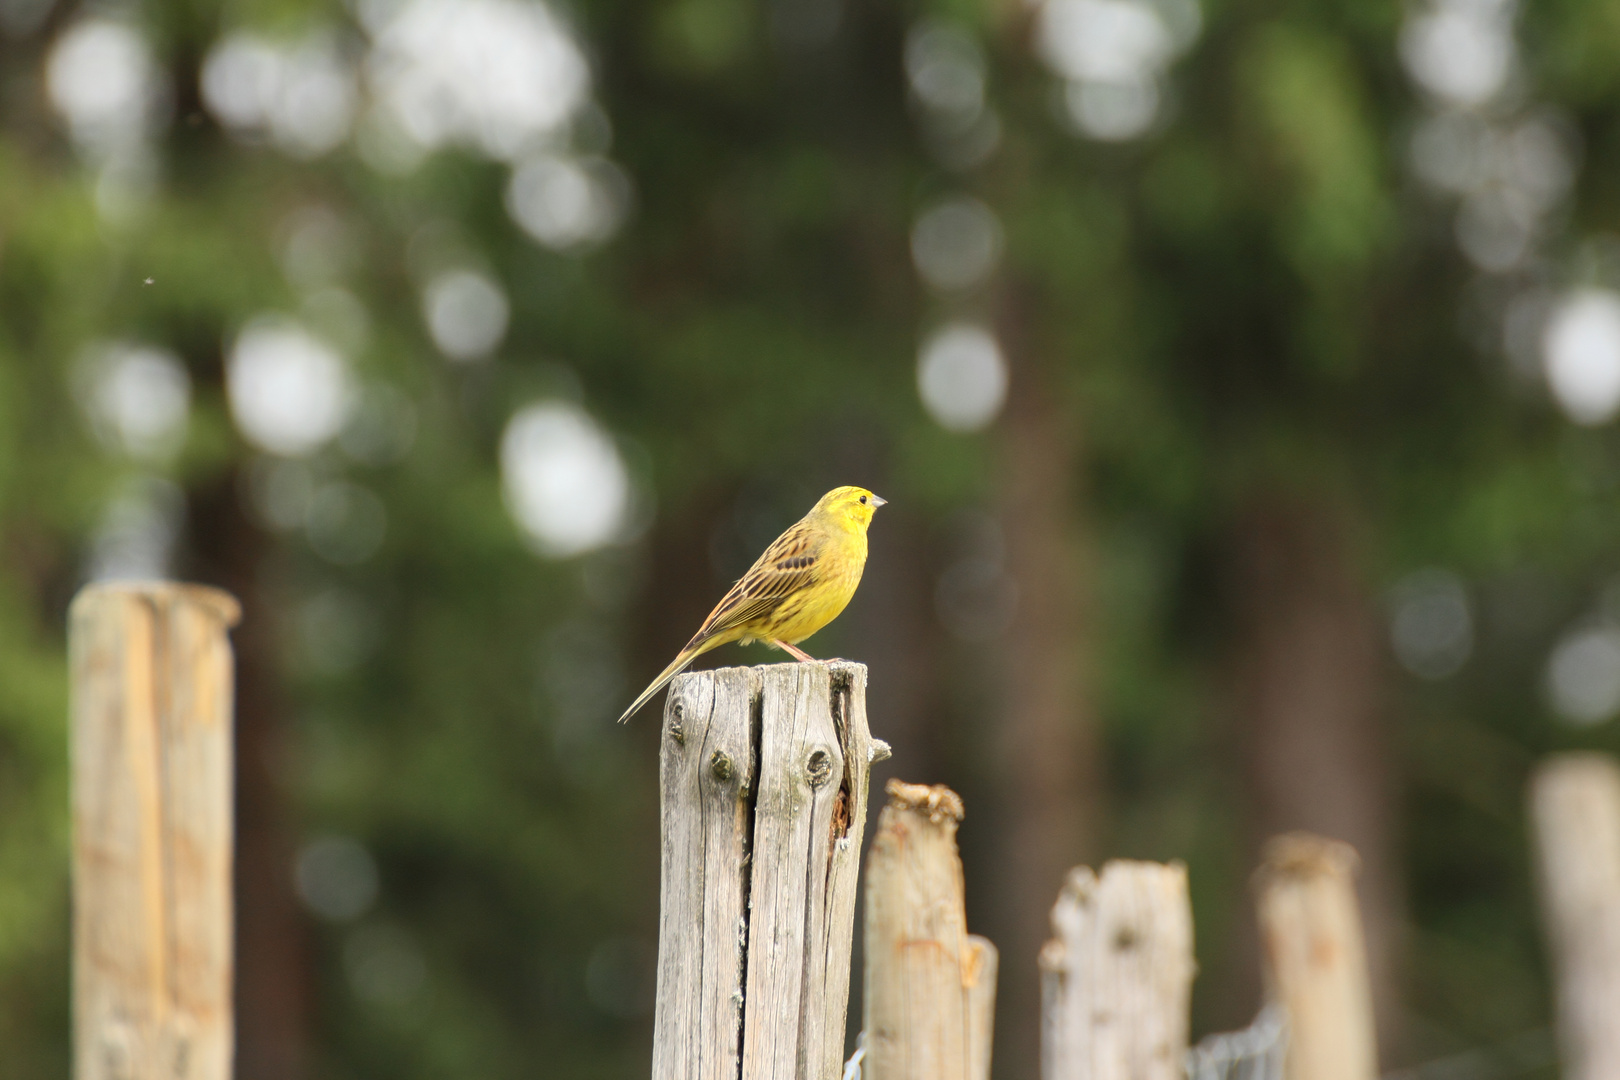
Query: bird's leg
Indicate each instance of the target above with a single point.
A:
(797, 653)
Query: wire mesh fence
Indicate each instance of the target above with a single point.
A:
(1254, 1053)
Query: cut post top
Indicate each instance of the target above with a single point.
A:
(1304, 856)
(850, 666)
(840, 675)
(220, 603)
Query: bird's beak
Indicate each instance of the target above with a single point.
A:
(878, 501)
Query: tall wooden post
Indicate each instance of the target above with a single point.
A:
(930, 985)
(1575, 811)
(1116, 977)
(1316, 958)
(151, 760)
(763, 777)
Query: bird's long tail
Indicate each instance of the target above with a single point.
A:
(676, 666)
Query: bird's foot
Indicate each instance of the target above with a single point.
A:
(794, 651)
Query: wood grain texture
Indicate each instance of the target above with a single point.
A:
(1116, 977)
(1316, 957)
(930, 985)
(1575, 812)
(151, 710)
(763, 781)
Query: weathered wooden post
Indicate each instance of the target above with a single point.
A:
(151, 760)
(1117, 975)
(930, 985)
(1575, 812)
(1316, 958)
(763, 778)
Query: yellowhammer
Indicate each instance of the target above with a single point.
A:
(801, 583)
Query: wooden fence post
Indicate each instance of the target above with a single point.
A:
(930, 985)
(1575, 811)
(151, 761)
(1117, 975)
(1316, 958)
(763, 778)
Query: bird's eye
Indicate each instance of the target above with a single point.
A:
(863, 500)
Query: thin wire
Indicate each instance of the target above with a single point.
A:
(852, 1071)
(1515, 1057)
(1257, 1052)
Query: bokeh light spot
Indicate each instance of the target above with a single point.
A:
(336, 878)
(1461, 50)
(101, 77)
(301, 95)
(945, 68)
(565, 482)
(345, 523)
(1581, 353)
(466, 313)
(566, 202)
(289, 391)
(497, 75)
(384, 964)
(138, 398)
(1431, 624)
(1583, 675)
(962, 377)
(956, 243)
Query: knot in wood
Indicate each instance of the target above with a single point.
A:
(819, 767)
(677, 728)
(720, 764)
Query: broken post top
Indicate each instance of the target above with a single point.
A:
(221, 604)
(935, 800)
(1302, 856)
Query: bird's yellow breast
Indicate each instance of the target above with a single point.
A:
(808, 610)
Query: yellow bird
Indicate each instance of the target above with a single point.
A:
(801, 583)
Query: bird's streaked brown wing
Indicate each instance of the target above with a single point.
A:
(788, 565)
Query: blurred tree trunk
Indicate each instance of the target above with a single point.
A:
(893, 631)
(1310, 674)
(680, 590)
(272, 960)
(1044, 743)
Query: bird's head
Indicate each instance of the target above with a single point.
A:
(850, 507)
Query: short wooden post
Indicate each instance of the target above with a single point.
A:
(151, 759)
(1575, 811)
(1316, 958)
(930, 985)
(1117, 975)
(763, 781)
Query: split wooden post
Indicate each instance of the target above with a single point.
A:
(930, 985)
(152, 682)
(1575, 812)
(763, 777)
(1316, 957)
(1116, 977)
